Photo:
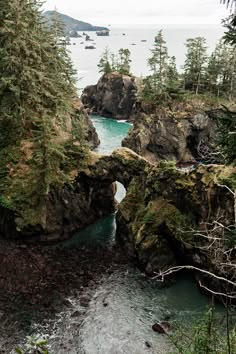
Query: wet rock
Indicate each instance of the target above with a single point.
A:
(160, 328)
(84, 301)
(148, 345)
(76, 314)
(89, 47)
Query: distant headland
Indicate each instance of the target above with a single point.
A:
(72, 24)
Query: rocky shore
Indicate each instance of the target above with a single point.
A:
(38, 282)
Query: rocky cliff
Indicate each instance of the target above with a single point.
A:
(176, 130)
(67, 206)
(167, 217)
(89, 197)
(66, 210)
(91, 134)
(172, 136)
(113, 96)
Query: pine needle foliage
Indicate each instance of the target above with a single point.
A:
(37, 93)
(226, 123)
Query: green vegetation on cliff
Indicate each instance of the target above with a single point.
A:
(110, 62)
(41, 136)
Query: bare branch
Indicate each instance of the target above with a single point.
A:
(230, 295)
(175, 269)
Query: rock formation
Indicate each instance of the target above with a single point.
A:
(66, 210)
(89, 197)
(91, 134)
(113, 96)
(177, 131)
(169, 136)
(163, 206)
(154, 221)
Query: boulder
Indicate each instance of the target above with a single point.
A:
(89, 47)
(161, 327)
(113, 96)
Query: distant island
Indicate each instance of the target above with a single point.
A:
(72, 25)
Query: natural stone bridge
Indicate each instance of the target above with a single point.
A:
(160, 202)
(122, 165)
(194, 194)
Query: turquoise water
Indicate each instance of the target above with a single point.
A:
(110, 132)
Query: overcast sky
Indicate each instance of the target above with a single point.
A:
(104, 12)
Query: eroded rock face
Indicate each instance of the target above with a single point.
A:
(154, 221)
(91, 196)
(91, 134)
(160, 209)
(67, 210)
(113, 96)
(167, 137)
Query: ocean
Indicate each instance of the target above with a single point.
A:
(86, 60)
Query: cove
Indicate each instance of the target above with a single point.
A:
(125, 303)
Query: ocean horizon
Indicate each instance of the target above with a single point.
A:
(139, 39)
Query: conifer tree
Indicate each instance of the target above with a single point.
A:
(194, 67)
(36, 97)
(226, 137)
(221, 70)
(172, 82)
(158, 64)
(104, 64)
(110, 62)
(124, 61)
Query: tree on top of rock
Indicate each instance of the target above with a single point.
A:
(110, 62)
(123, 65)
(104, 64)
